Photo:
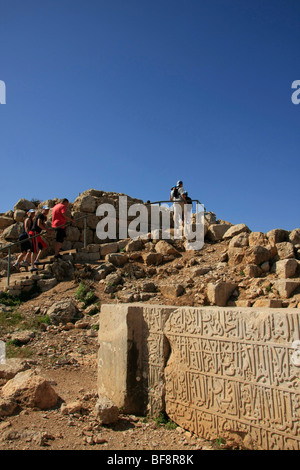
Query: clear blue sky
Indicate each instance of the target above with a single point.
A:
(133, 95)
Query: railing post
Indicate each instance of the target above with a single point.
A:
(8, 266)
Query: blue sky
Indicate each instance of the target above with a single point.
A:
(132, 95)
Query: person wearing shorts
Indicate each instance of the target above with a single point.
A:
(25, 242)
(59, 219)
(38, 243)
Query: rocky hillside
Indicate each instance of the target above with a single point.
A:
(49, 320)
(236, 267)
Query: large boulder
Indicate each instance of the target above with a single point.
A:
(24, 205)
(236, 230)
(12, 232)
(216, 232)
(63, 311)
(294, 236)
(28, 389)
(5, 222)
(219, 293)
(257, 255)
(286, 268)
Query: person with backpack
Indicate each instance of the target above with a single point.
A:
(178, 197)
(25, 242)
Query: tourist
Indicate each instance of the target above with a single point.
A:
(38, 243)
(25, 242)
(59, 218)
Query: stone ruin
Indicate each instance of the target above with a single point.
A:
(231, 373)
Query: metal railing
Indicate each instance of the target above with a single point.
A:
(198, 203)
(10, 245)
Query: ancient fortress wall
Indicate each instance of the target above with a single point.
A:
(217, 372)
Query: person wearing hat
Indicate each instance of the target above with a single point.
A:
(26, 244)
(38, 243)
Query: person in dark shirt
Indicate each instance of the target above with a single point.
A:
(38, 243)
(25, 243)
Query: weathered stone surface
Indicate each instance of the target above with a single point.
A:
(23, 336)
(24, 205)
(252, 270)
(286, 287)
(294, 236)
(239, 240)
(63, 311)
(219, 293)
(108, 248)
(257, 255)
(5, 222)
(171, 290)
(235, 230)
(216, 232)
(200, 364)
(285, 250)
(85, 203)
(106, 410)
(12, 232)
(153, 259)
(30, 390)
(117, 259)
(12, 367)
(277, 235)
(286, 268)
(258, 238)
(235, 255)
(134, 245)
(7, 407)
(165, 248)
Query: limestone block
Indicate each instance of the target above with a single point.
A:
(30, 390)
(165, 248)
(277, 235)
(107, 248)
(72, 234)
(134, 245)
(13, 231)
(19, 215)
(106, 410)
(209, 377)
(153, 259)
(285, 287)
(216, 232)
(24, 205)
(285, 250)
(294, 236)
(5, 222)
(258, 238)
(257, 255)
(239, 240)
(286, 268)
(219, 293)
(12, 367)
(235, 230)
(117, 259)
(85, 204)
(235, 255)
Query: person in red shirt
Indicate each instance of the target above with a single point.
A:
(59, 218)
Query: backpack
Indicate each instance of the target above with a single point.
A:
(174, 193)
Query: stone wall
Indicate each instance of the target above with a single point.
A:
(217, 372)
